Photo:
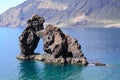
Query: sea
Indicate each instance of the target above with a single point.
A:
(98, 45)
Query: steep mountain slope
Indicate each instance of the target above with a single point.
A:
(81, 13)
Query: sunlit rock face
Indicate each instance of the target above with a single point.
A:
(52, 5)
(64, 13)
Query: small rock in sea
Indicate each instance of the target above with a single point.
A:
(61, 47)
(99, 64)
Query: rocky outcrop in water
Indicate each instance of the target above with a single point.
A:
(28, 39)
(59, 48)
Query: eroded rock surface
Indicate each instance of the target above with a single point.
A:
(61, 48)
(28, 39)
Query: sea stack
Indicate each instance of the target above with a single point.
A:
(59, 48)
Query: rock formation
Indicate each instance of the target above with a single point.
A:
(28, 39)
(59, 48)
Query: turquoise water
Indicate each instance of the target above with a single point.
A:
(98, 45)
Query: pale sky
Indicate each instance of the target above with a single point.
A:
(6, 4)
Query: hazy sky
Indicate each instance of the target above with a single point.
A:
(6, 4)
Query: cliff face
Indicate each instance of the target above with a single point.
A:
(82, 13)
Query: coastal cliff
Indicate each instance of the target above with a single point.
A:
(64, 13)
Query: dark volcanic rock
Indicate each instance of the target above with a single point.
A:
(54, 41)
(99, 64)
(61, 48)
(28, 39)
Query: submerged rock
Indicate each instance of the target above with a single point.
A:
(28, 39)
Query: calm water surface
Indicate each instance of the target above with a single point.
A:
(98, 45)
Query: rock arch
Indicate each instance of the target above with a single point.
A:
(59, 48)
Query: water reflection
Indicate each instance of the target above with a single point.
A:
(29, 70)
(32, 70)
(68, 72)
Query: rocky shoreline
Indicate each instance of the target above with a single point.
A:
(59, 48)
(47, 58)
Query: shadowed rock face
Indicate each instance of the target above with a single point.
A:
(28, 39)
